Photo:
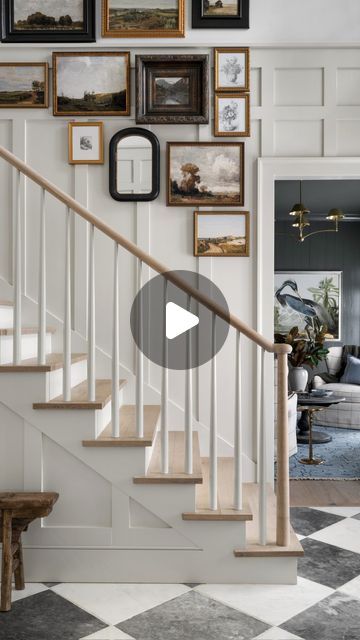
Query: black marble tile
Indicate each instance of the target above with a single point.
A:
(192, 585)
(335, 618)
(51, 584)
(193, 616)
(328, 565)
(47, 616)
(357, 517)
(307, 521)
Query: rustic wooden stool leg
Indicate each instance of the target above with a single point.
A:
(19, 571)
(7, 558)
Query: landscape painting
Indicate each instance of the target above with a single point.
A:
(172, 91)
(23, 85)
(48, 15)
(205, 173)
(126, 18)
(91, 83)
(221, 234)
(218, 8)
(308, 299)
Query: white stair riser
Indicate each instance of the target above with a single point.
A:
(29, 347)
(55, 381)
(6, 317)
(104, 416)
(142, 565)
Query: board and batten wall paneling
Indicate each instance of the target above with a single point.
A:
(320, 116)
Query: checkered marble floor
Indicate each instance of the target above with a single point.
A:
(324, 605)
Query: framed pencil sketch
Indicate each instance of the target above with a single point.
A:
(220, 14)
(91, 83)
(143, 18)
(232, 115)
(232, 69)
(221, 234)
(48, 20)
(86, 143)
(205, 173)
(172, 89)
(24, 85)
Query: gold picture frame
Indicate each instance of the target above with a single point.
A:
(86, 149)
(86, 105)
(109, 31)
(220, 245)
(233, 73)
(21, 98)
(229, 116)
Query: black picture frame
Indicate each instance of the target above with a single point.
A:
(194, 68)
(199, 21)
(134, 197)
(10, 34)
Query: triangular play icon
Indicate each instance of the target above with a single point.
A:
(178, 320)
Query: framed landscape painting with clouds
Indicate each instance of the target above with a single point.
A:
(205, 173)
(23, 85)
(224, 234)
(48, 20)
(143, 18)
(91, 83)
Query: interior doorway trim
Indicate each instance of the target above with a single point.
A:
(270, 170)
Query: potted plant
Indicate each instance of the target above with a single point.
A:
(307, 349)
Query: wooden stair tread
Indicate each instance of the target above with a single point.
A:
(253, 548)
(79, 397)
(128, 436)
(225, 509)
(25, 330)
(176, 473)
(53, 361)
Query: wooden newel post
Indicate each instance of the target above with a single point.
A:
(282, 484)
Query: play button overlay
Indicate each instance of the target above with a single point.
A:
(178, 320)
(176, 330)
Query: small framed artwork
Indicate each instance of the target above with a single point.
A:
(232, 115)
(172, 89)
(220, 14)
(143, 18)
(24, 85)
(224, 234)
(232, 69)
(48, 20)
(86, 143)
(205, 173)
(91, 83)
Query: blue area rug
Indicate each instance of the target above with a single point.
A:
(341, 455)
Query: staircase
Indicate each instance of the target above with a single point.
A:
(175, 515)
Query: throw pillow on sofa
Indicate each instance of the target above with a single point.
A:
(352, 371)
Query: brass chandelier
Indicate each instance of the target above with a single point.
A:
(300, 212)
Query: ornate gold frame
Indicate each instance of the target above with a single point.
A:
(45, 66)
(143, 33)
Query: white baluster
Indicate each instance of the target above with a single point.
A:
(17, 275)
(91, 317)
(164, 397)
(115, 399)
(238, 498)
(139, 361)
(67, 312)
(189, 403)
(42, 283)
(213, 422)
(262, 460)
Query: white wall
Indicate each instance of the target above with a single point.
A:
(305, 102)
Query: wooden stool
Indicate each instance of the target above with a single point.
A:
(17, 511)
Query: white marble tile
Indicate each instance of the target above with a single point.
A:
(300, 537)
(31, 588)
(273, 604)
(113, 603)
(110, 633)
(347, 512)
(352, 588)
(344, 534)
(277, 634)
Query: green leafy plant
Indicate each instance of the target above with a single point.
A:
(307, 348)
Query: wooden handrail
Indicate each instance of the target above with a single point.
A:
(142, 255)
